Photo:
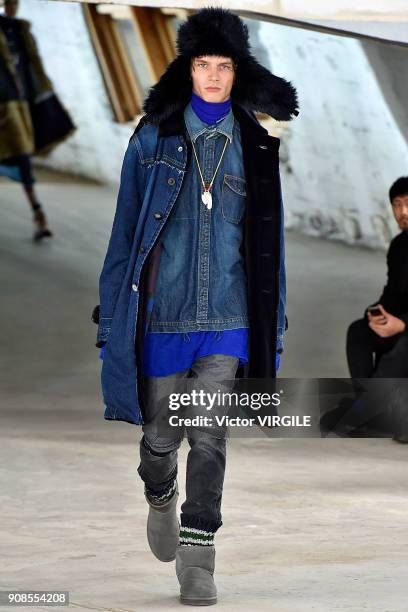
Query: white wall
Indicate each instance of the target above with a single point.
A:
(345, 148)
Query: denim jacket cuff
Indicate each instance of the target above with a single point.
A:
(104, 328)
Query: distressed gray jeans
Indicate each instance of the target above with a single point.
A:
(207, 454)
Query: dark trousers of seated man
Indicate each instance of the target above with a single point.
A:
(206, 459)
(391, 363)
(363, 342)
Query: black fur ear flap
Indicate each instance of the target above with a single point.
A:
(257, 89)
(171, 92)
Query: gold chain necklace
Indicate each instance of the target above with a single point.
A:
(206, 196)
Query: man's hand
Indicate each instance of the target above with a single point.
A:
(385, 325)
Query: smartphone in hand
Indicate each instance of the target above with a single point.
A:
(374, 311)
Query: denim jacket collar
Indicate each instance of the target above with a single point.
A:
(196, 126)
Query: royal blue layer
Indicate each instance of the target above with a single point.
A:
(243, 358)
(210, 112)
(167, 353)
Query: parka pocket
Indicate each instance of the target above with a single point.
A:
(233, 198)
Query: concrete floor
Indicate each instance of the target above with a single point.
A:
(309, 524)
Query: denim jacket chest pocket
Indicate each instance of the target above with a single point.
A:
(233, 198)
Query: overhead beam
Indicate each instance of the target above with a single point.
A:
(380, 20)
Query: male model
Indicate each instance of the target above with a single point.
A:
(193, 283)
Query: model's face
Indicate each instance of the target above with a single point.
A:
(213, 77)
(11, 7)
(400, 210)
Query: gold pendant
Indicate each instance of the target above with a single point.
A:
(207, 199)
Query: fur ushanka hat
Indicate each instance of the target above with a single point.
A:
(217, 31)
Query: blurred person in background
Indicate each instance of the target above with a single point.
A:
(32, 120)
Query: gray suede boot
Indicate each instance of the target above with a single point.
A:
(195, 569)
(163, 528)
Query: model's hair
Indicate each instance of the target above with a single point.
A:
(399, 188)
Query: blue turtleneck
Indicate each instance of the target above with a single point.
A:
(210, 112)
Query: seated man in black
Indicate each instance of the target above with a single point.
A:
(383, 331)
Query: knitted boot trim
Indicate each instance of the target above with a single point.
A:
(189, 536)
(162, 497)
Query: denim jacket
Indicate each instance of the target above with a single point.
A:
(139, 219)
(201, 284)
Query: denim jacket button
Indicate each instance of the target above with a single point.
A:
(142, 250)
(171, 181)
(135, 287)
(158, 215)
(180, 149)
